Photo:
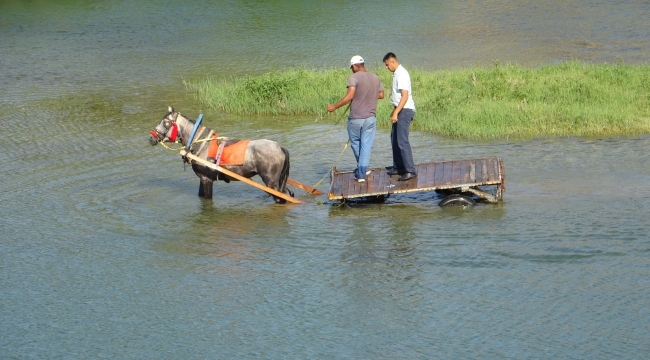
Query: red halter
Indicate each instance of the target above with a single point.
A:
(172, 136)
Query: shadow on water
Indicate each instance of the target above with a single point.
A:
(415, 207)
(402, 237)
(380, 260)
(228, 230)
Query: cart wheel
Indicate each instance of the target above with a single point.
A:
(457, 200)
(379, 199)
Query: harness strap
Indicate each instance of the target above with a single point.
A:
(214, 144)
(204, 143)
(219, 153)
(197, 145)
(196, 127)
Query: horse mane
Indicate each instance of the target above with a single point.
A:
(192, 121)
(229, 141)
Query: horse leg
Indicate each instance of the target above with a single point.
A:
(271, 181)
(270, 161)
(284, 175)
(205, 187)
(275, 176)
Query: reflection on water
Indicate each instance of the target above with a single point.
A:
(108, 252)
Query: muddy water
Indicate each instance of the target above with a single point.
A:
(107, 252)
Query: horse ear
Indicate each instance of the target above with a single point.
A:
(170, 109)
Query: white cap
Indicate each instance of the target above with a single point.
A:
(356, 59)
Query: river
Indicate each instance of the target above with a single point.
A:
(107, 252)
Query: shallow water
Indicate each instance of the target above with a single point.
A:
(107, 251)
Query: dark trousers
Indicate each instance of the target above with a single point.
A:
(399, 139)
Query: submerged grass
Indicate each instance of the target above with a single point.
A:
(501, 101)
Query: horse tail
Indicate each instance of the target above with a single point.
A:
(285, 170)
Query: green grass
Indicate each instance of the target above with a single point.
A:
(497, 102)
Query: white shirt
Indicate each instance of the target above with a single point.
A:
(401, 81)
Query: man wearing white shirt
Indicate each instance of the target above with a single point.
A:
(402, 116)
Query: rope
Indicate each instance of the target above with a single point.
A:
(332, 167)
(193, 142)
(169, 148)
(323, 100)
(328, 131)
(210, 138)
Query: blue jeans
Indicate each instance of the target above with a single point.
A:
(362, 134)
(399, 139)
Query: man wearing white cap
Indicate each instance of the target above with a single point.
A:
(364, 89)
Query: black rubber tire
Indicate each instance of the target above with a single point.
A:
(457, 200)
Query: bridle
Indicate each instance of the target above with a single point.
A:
(169, 125)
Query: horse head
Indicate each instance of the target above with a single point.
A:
(167, 130)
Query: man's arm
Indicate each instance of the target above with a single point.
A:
(381, 95)
(400, 106)
(346, 99)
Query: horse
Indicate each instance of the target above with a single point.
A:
(263, 157)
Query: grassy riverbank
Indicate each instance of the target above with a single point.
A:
(501, 101)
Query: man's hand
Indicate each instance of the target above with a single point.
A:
(330, 107)
(393, 116)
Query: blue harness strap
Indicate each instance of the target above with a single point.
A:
(196, 127)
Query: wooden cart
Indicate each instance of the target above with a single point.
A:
(460, 180)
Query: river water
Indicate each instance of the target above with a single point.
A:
(107, 252)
